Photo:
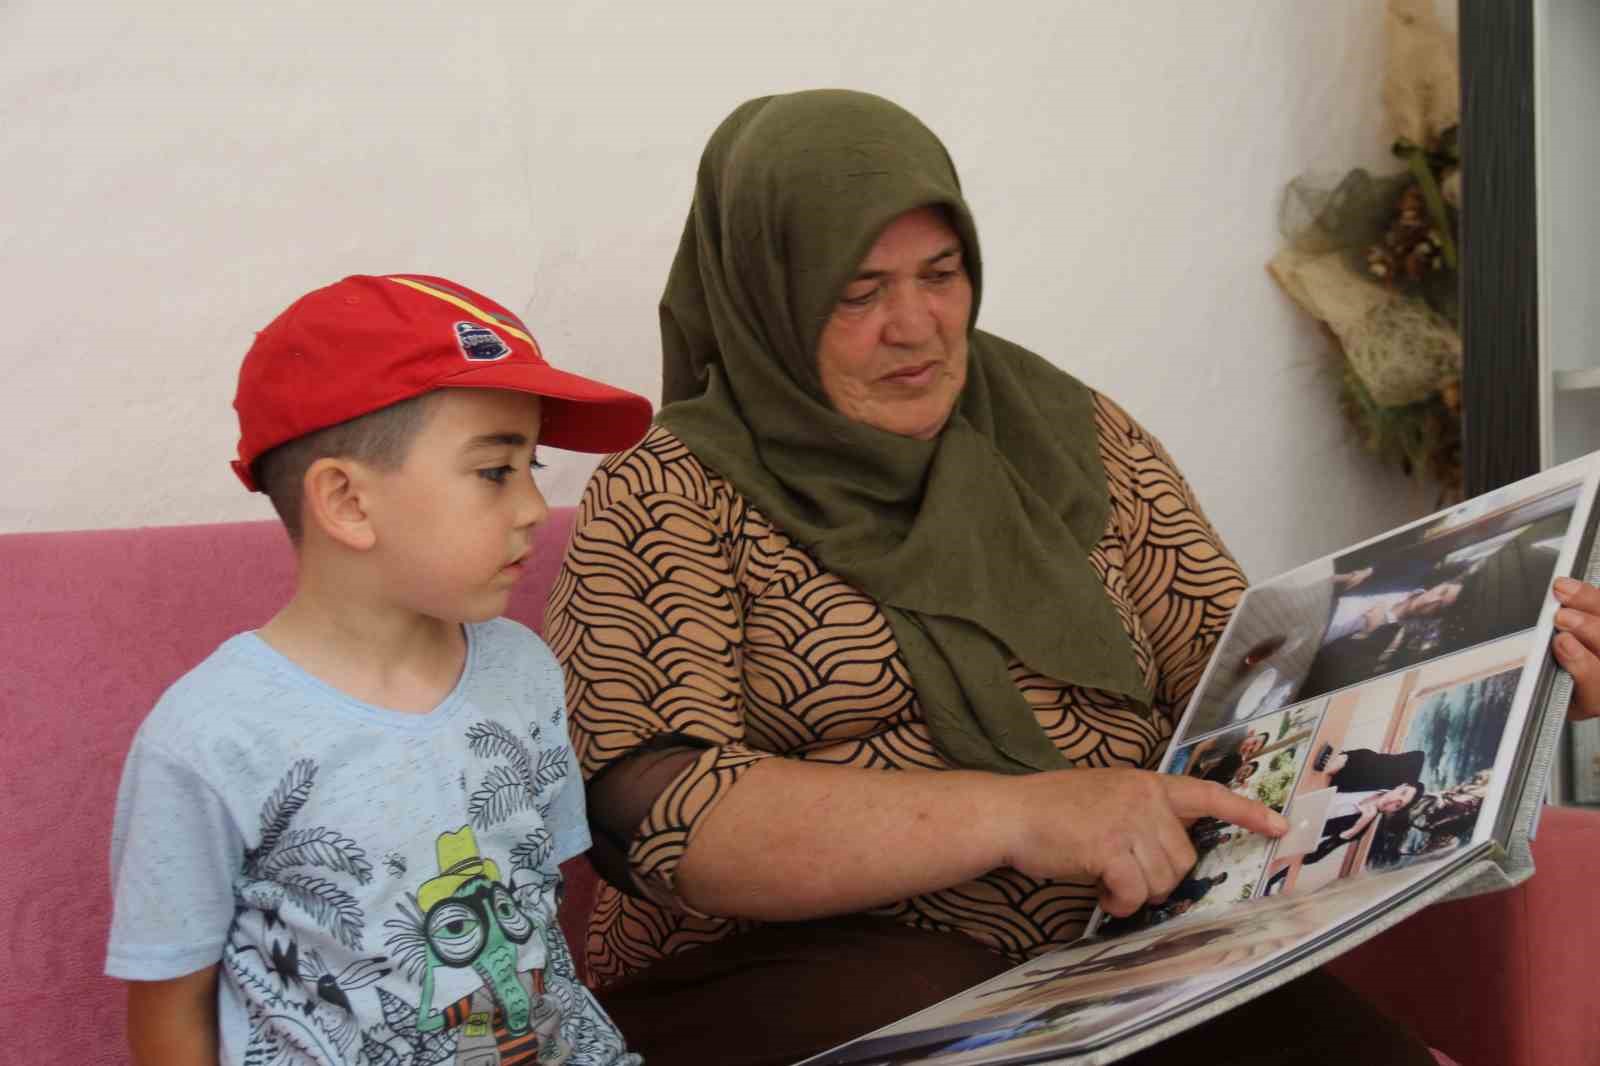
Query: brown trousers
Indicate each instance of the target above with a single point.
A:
(781, 993)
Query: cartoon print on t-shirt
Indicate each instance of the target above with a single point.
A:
(466, 917)
(306, 1003)
(517, 786)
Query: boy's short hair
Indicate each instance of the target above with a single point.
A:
(381, 439)
(334, 374)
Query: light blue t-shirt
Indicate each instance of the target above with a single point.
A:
(380, 888)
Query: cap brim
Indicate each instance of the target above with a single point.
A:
(580, 415)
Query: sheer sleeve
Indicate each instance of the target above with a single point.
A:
(622, 795)
(647, 618)
(1182, 581)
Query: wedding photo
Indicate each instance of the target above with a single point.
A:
(1401, 768)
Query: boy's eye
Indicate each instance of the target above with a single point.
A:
(499, 474)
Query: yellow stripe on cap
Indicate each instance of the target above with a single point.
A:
(454, 300)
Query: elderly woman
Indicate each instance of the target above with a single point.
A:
(872, 640)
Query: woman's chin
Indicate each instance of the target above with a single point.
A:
(918, 425)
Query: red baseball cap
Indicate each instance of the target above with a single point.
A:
(367, 342)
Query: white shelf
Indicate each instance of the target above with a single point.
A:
(1577, 380)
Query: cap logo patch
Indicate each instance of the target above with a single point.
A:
(479, 343)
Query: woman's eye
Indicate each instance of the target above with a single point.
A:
(496, 474)
(536, 464)
(858, 299)
(939, 277)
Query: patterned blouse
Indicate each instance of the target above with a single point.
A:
(681, 610)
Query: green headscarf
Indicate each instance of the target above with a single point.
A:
(973, 543)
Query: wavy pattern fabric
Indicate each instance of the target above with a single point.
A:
(681, 609)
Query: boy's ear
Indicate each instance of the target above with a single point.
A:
(334, 503)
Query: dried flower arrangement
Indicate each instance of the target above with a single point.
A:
(1374, 259)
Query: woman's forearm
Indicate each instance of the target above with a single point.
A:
(799, 840)
(803, 840)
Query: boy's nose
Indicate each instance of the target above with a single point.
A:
(531, 506)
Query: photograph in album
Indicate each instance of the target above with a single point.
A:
(1475, 573)
(1081, 997)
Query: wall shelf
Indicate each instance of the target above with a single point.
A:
(1577, 380)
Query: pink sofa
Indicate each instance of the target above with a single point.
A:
(96, 624)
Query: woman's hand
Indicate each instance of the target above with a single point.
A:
(1577, 644)
(1369, 811)
(1343, 583)
(1373, 619)
(1126, 829)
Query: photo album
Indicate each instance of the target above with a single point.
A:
(1398, 703)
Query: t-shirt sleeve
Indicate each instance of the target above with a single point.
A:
(562, 805)
(568, 823)
(174, 848)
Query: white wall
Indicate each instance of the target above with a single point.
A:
(173, 175)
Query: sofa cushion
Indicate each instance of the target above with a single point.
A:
(1503, 977)
(96, 625)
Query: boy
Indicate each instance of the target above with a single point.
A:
(337, 839)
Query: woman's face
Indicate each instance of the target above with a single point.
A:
(893, 354)
(1396, 798)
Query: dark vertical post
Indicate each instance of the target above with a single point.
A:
(1499, 245)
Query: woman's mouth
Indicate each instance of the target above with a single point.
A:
(915, 376)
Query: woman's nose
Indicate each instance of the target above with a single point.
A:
(910, 320)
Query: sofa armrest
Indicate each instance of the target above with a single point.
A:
(1507, 977)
